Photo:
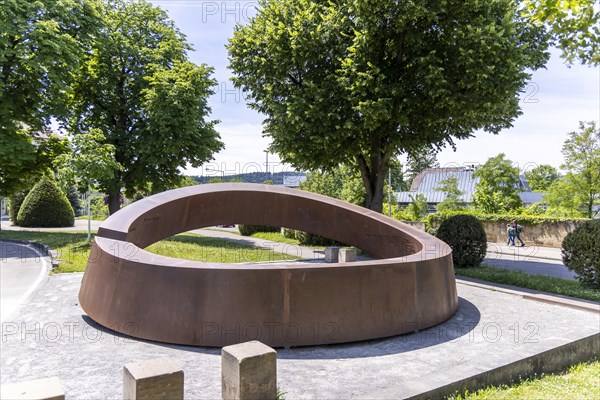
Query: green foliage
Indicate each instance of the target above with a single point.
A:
(14, 204)
(342, 182)
(89, 160)
(575, 27)
(41, 43)
(45, 206)
(137, 86)
(452, 201)
(418, 208)
(309, 239)
(98, 209)
(498, 186)
(419, 160)
(73, 197)
(541, 177)
(435, 220)
(581, 252)
(466, 236)
(355, 82)
(578, 193)
(249, 230)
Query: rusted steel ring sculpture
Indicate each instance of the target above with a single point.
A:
(410, 286)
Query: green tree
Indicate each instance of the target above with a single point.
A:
(418, 208)
(452, 201)
(41, 43)
(358, 82)
(137, 86)
(419, 160)
(541, 177)
(498, 186)
(89, 161)
(579, 190)
(342, 183)
(574, 24)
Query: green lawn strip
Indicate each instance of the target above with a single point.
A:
(581, 381)
(73, 248)
(191, 246)
(536, 282)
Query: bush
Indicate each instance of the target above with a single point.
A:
(249, 230)
(466, 236)
(581, 252)
(308, 239)
(14, 205)
(45, 206)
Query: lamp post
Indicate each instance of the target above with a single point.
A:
(390, 193)
(267, 163)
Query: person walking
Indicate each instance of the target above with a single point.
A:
(518, 229)
(510, 231)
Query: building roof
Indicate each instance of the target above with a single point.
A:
(426, 182)
(293, 181)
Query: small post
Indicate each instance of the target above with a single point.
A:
(248, 372)
(347, 254)
(331, 254)
(158, 379)
(39, 389)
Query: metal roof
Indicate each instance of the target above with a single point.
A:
(431, 178)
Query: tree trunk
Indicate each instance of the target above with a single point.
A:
(373, 177)
(114, 202)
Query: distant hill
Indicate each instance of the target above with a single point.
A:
(252, 177)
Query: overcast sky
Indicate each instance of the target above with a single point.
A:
(554, 103)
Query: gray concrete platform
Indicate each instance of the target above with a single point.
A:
(492, 330)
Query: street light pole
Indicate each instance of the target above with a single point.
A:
(267, 163)
(390, 193)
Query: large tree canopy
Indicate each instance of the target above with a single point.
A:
(149, 101)
(574, 24)
(578, 193)
(40, 45)
(498, 188)
(357, 82)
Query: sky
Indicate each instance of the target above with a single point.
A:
(554, 102)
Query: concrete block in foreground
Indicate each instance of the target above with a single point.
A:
(39, 389)
(248, 371)
(153, 380)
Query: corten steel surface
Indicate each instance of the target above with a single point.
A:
(409, 287)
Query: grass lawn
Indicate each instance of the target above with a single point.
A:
(536, 282)
(581, 381)
(73, 248)
(275, 237)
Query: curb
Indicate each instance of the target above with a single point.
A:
(42, 248)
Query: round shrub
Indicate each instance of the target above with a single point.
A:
(466, 236)
(249, 230)
(45, 206)
(581, 252)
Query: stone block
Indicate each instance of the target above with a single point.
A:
(39, 389)
(347, 254)
(331, 254)
(156, 379)
(248, 371)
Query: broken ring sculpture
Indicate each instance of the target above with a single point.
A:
(409, 287)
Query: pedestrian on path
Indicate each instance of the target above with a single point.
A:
(510, 231)
(518, 229)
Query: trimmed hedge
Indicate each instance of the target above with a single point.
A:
(249, 230)
(434, 220)
(466, 236)
(14, 205)
(581, 252)
(46, 206)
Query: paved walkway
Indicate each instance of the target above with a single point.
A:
(52, 336)
(22, 270)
